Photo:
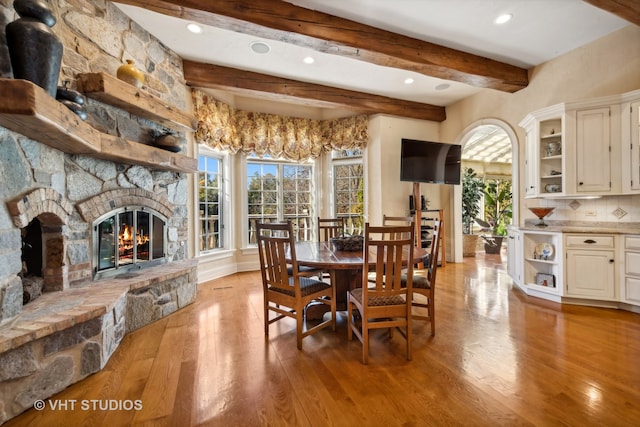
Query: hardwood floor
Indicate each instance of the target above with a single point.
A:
(499, 358)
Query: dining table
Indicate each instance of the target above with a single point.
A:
(344, 267)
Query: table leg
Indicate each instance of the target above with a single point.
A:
(343, 280)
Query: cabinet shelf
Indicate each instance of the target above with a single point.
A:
(553, 135)
(28, 110)
(551, 176)
(541, 261)
(108, 89)
(556, 157)
(550, 289)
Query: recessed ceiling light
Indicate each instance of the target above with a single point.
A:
(443, 86)
(505, 17)
(260, 47)
(194, 28)
(308, 60)
(408, 81)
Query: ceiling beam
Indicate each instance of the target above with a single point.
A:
(210, 76)
(626, 9)
(282, 21)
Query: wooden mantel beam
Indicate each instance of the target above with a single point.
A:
(210, 76)
(625, 9)
(279, 20)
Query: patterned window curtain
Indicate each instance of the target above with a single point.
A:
(223, 127)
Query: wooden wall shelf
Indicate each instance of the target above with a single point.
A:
(28, 110)
(32, 112)
(108, 89)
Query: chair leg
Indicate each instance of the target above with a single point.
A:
(299, 325)
(365, 342)
(333, 305)
(266, 318)
(409, 338)
(334, 314)
(432, 316)
(349, 320)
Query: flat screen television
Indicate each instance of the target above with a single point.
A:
(429, 161)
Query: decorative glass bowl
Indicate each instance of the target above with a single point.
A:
(541, 213)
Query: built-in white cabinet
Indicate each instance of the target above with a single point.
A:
(590, 266)
(542, 269)
(577, 148)
(593, 150)
(630, 292)
(514, 255)
(586, 268)
(634, 118)
(630, 160)
(531, 164)
(593, 159)
(545, 148)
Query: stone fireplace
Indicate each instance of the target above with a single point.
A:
(91, 247)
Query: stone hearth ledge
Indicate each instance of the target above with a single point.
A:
(56, 311)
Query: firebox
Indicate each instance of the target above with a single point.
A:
(128, 239)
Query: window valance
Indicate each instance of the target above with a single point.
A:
(224, 127)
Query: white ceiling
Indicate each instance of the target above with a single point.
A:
(539, 31)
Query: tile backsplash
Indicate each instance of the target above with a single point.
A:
(604, 209)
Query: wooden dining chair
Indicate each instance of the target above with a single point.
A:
(396, 220)
(392, 220)
(329, 228)
(400, 220)
(424, 281)
(288, 291)
(385, 303)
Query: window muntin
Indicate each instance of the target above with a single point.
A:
(348, 189)
(280, 191)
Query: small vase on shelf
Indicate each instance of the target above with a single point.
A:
(34, 49)
(130, 73)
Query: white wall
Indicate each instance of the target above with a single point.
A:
(386, 194)
(608, 66)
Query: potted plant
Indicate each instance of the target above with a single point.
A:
(472, 189)
(498, 212)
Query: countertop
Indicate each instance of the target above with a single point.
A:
(583, 227)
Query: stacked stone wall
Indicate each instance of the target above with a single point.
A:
(42, 355)
(97, 37)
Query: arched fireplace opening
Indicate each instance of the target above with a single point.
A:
(32, 262)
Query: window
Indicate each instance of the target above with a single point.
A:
(210, 203)
(348, 188)
(280, 191)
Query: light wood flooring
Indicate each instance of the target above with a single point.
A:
(499, 358)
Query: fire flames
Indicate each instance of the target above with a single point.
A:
(126, 239)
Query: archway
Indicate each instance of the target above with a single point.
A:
(466, 136)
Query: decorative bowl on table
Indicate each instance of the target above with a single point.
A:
(347, 243)
(541, 213)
